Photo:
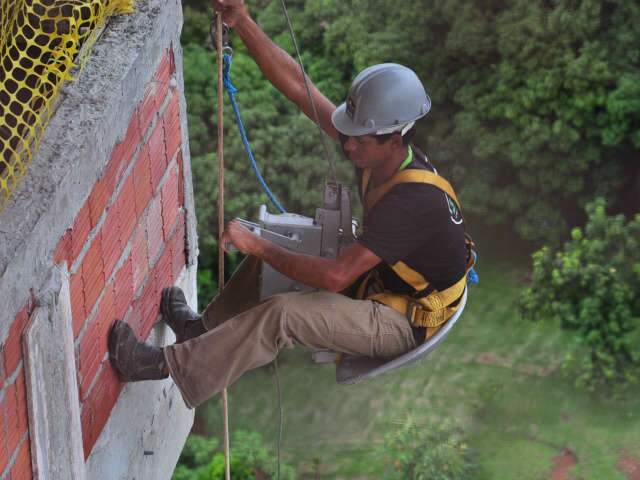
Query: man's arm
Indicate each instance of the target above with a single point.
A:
(276, 64)
(329, 274)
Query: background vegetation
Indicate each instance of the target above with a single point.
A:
(536, 113)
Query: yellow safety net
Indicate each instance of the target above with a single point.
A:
(41, 41)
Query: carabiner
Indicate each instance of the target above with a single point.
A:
(213, 31)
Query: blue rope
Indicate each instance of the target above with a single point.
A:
(472, 276)
(232, 90)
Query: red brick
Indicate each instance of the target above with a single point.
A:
(170, 203)
(21, 395)
(149, 306)
(163, 76)
(163, 270)
(110, 241)
(178, 260)
(157, 155)
(123, 286)
(3, 375)
(163, 73)
(99, 197)
(126, 206)
(21, 469)
(16, 415)
(4, 455)
(86, 421)
(134, 316)
(172, 60)
(78, 311)
(139, 258)
(13, 345)
(142, 181)
(93, 273)
(154, 230)
(180, 179)
(93, 346)
(80, 231)
(97, 408)
(171, 124)
(148, 108)
(63, 250)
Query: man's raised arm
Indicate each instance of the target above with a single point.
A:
(276, 64)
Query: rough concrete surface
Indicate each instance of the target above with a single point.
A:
(52, 388)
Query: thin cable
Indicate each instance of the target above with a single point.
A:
(281, 415)
(225, 403)
(313, 104)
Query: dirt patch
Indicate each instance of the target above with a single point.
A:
(629, 466)
(490, 358)
(562, 463)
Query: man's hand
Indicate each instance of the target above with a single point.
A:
(241, 237)
(233, 11)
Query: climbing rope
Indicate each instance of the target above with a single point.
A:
(280, 417)
(225, 403)
(232, 90)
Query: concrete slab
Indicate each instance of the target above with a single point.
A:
(52, 389)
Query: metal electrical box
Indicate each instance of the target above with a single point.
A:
(325, 235)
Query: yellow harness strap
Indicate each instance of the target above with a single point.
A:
(405, 176)
(433, 310)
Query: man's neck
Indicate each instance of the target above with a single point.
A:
(389, 168)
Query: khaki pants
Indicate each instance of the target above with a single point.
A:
(244, 333)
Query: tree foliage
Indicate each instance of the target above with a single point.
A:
(590, 286)
(536, 105)
(201, 460)
(435, 451)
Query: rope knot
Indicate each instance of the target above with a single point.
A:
(226, 74)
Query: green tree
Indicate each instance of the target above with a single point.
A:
(590, 286)
(554, 117)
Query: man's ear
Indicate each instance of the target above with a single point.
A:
(396, 140)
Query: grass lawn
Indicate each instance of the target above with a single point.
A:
(497, 376)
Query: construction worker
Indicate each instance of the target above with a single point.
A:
(412, 225)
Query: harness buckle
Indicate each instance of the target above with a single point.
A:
(412, 309)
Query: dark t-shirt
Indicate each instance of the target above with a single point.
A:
(420, 225)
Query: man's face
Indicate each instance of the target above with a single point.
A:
(365, 151)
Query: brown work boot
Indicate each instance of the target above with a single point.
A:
(184, 322)
(134, 360)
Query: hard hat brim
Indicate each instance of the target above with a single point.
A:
(345, 124)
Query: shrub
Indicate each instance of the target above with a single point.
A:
(201, 460)
(591, 287)
(434, 451)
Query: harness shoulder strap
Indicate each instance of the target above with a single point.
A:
(405, 176)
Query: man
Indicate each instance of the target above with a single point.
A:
(412, 232)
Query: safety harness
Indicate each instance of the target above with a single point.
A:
(435, 308)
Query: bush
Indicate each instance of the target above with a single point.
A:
(591, 287)
(201, 459)
(427, 452)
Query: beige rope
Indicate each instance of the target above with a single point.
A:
(225, 404)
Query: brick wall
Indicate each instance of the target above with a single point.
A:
(15, 459)
(126, 243)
